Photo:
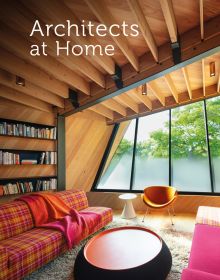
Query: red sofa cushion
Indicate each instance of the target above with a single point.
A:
(205, 251)
(192, 274)
(105, 218)
(32, 249)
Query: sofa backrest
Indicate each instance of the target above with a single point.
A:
(15, 218)
(74, 198)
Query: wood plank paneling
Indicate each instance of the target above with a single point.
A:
(86, 140)
(183, 204)
(22, 143)
(26, 171)
(15, 111)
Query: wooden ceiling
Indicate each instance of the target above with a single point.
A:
(188, 84)
(161, 22)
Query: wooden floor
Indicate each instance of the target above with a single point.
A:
(182, 221)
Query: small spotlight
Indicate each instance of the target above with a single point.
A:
(212, 69)
(144, 89)
(20, 81)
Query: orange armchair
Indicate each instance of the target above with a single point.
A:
(159, 197)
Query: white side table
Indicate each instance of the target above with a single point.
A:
(128, 211)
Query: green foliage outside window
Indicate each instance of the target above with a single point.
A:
(188, 134)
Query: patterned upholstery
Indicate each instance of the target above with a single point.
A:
(15, 218)
(24, 248)
(74, 198)
(32, 249)
(3, 258)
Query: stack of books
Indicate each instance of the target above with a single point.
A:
(9, 158)
(28, 161)
(48, 158)
(43, 185)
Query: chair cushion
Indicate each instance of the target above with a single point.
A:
(74, 198)
(205, 253)
(15, 218)
(32, 249)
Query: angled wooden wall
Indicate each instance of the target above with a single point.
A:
(86, 139)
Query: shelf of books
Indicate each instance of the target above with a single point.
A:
(28, 157)
(23, 129)
(26, 185)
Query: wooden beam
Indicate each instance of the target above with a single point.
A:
(192, 50)
(203, 77)
(56, 12)
(172, 87)
(24, 99)
(103, 14)
(186, 78)
(21, 20)
(143, 98)
(126, 100)
(167, 9)
(156, 91)
(184, 99)
(115, 106)
(201, 12)
(9, 80)
(102, 110)
(29, 72)
(19, 46)
(144, 27)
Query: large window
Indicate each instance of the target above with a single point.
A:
(190, 166)
(179, 147)
(213, 114)
(117, 172)
(152, 151)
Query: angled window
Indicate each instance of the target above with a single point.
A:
(213, 115)
(190, 165)
(152, 151)
(117, 171)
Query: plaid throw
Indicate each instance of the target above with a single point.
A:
(208, 215)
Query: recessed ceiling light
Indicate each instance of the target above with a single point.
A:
(212, 69)
(144, 89)
(20, 81)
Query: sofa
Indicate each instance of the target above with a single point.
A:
(204, 261)
(25, 248)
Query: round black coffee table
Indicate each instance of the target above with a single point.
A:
(124, 253)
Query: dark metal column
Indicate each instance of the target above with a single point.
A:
(61, 154)
(208, 145)
(133, 156)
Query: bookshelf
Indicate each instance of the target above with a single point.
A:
(29, 151)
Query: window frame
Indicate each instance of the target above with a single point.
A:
(111, 141)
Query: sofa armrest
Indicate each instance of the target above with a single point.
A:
(3, 258)
(192, 274)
